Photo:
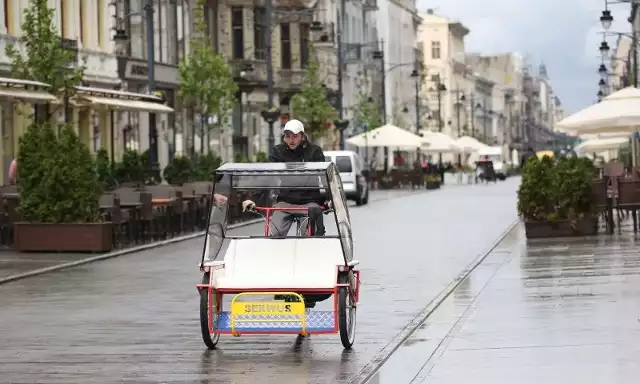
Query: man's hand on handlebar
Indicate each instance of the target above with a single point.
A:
(248, 205)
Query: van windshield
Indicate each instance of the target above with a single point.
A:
(344, 164)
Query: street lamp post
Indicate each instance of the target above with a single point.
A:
(122, 36)
(272, 113)
(416, 75)
(151, 87)
(607, 20)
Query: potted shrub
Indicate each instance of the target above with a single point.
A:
(432, 180)
(104, 170)
(59, 196)
(204, 165)
(262, 157)
(130, 171)
(179, 171)
(554, 198)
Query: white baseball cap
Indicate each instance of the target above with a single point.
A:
(294, 126)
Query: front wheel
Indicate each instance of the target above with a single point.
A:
(209, 340)
(347, 311)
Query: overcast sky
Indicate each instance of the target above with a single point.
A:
(561, 33)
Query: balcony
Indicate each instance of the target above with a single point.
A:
(326, 37)
(249, 73)
(290, 79)
(101, 67)
(295, 4)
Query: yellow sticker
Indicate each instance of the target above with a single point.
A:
(272, 308)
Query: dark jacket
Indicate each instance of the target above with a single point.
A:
(305, 153)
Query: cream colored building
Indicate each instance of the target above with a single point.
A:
(86, 27)
(497, 96)
(618, 64)
(442, 40)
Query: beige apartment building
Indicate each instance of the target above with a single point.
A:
(443, 49)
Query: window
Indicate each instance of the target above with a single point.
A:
(83, 32)
(181, 34)
(136, 26)
(344, 164)
(259, 35)
(63, 18)
(210, 15)
(285, 45)
(435, 50)
(237, 33)
(172, 33)
(8, 12)
(100, 35)
(160, 25)
(304, 45)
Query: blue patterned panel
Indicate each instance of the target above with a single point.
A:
(316, 321)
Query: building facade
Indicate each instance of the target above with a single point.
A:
(501, 110)
(85, 29)
(397, 23)
(443, 45)
(620, 60)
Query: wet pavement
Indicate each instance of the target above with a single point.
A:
(551, 311)
(13, 262)
(135, 318)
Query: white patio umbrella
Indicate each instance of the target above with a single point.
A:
(606, 135)
(618, 112)
(469, 144)
(439, 142)
(601, 144)
(387, 136)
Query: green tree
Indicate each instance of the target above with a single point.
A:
(311, 105)
(206, 79)
(45, 59)
(57, 174)
(365, 111)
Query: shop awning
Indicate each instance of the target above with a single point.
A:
(127, 105)
(24, 95)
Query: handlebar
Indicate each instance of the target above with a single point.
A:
(268, 210)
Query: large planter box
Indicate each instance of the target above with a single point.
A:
(432, 184)
(50, 237)
(542, 229)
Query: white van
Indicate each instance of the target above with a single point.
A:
(350, 166)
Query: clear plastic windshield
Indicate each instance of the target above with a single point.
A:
(341, 214)
(300, 191)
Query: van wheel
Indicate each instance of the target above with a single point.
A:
(359, 200)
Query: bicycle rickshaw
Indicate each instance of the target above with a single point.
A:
(286, 269)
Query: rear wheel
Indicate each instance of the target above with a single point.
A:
(346, 311)
(209, 340)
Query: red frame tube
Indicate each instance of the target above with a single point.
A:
(219, 293)
(269, 210)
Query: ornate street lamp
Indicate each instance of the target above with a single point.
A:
(606, 19)
(604, 48)
(602, 85)
(602, 71)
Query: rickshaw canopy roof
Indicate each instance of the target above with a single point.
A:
(265, 169)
